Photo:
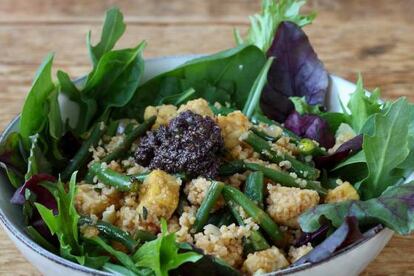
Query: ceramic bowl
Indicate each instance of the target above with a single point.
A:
(349, 262)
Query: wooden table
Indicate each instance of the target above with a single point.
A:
(375, 37)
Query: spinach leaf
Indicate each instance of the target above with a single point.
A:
(223, 77)
(161, 254)
(362, 106)
(113, 28)
(386, 148)
(394, 208)
(264, 25)
(35, 110)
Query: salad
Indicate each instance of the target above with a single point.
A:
(229, 164)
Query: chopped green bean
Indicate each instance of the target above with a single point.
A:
(256, 241)
(111, 232)
(256, 213)
(254, 187)
(124, 147)
(262, 147)
(259, 118)
(286, 179)
(213, 193)
(308, 147)
(110, 177)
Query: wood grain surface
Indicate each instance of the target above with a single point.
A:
(375, 37)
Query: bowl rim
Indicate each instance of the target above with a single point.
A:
(36, 248)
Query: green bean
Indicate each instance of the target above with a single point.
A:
(263, 135)
(286, 179)
(259, 118)
(129, 139)
(256, 213)
(111, 232)
(81, 157)
(231, 168)
(262, 146)
(220, 218)
(144, 236)
(308, 147)
(213, 193)
(256, 241)
(254, 187)
(120, 181)
(223, 110)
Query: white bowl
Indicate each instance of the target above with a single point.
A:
(350, 262)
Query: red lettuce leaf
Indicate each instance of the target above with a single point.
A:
(348, 233)
(43, 196)
(346, 150)
(10, 154)
(312, 127)
(296, 72)
(394, 209)
(314, 237)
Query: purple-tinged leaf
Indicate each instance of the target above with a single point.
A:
(43, 196)
(10, 154)
(312, 127)
(296, 72)
(348, 233)
(394, 209)
(346, 150)
(314, 237)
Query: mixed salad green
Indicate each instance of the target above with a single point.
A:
(273, 75)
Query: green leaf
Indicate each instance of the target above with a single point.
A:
(37, 162)
(35, 235)
(264, 25)
(11, 159)
(161, 255)
(123, 258)
(302, 107)
(65, 224)
(386, 148)
(35, 110)
(113, 28)
(362, 105)
(394, 209)
(56, 127)
(256, 91)
(223, 77)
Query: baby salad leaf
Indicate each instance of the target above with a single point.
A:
(11, 159)
(302, 107)
(394, 208)
(223, 77)
(362, 106)
(113, 28)
(37, 162)
(35, 110)
(386, 148)
(297, 72)
(348, 233)
(123, 258)
(65, 224)
(312, 127)
(264, 25)
(161, 255)
(256, 90)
